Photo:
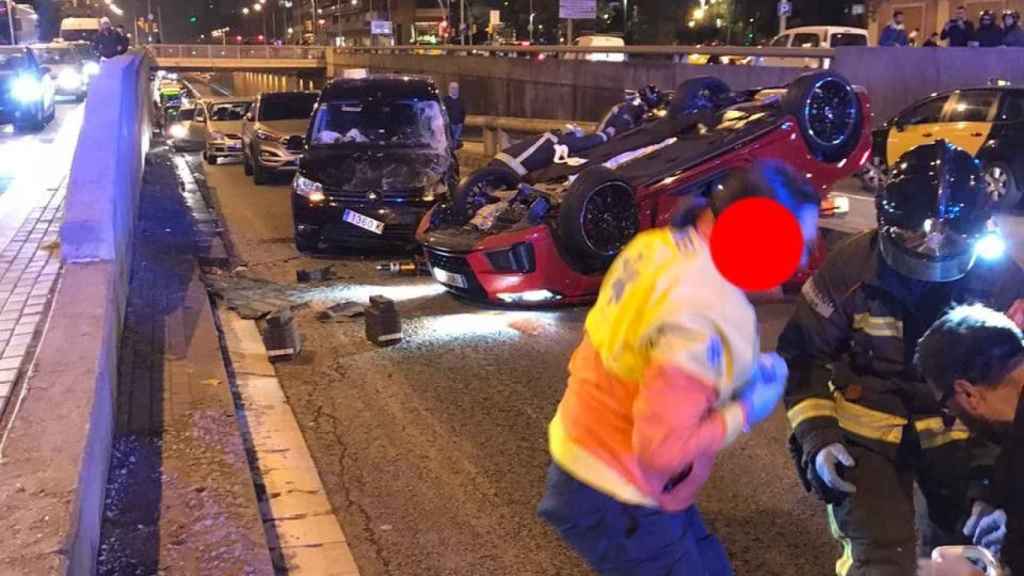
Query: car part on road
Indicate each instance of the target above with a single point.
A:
(826, 107)
(1001, 185)
(281, 336)
(317, 275)
(341, 312)
(383, 325)
(417, 267)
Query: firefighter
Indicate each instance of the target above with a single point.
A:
(667, 375)
(863, 430)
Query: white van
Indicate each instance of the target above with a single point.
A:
(813, 37)
(79, 29)
(598, 41)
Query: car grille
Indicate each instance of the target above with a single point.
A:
(415, 195)
(457, 264)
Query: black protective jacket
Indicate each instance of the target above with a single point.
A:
(107, 43)
(1009, 495)
(851, 343)
(958, 36)
(456, 110)
(988, 36)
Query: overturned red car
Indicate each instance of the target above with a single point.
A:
(541, 233)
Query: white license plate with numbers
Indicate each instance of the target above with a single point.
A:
(450, 278)
(364, 222)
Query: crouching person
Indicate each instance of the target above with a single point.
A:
(667, 375)
(973, 358)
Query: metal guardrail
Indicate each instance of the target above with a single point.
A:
(216, 51)
(496, 128)
(458, 49)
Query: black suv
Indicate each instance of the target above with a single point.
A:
(378, 155)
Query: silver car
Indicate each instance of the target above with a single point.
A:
(218, 123)
(273, 133)
(72, 67)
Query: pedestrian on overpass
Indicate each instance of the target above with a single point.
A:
(1013, 36)
(668, 374)
(894, 34)
(959, 30)
(863, 431)
(107, 42)
(989, 33)
(122, 48)
(456, 112)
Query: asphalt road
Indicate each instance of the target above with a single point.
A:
(434, 451)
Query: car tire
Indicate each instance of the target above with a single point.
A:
(210, 158)
(1001, 185)
(474, 190)
(597, 217)
(259, 173)
(307, 245)
(828, 111)
(697, 95)
(247, 165)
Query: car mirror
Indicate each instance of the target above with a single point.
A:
(248, 117)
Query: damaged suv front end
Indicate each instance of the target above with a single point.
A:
(378, 157)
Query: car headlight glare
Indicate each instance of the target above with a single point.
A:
(178, 131)
(314, 191)
(69, 79)
(528, 297)
(990, 246)
(27, 89)
(90, 68)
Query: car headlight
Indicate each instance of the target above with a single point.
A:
(216, 136)
(314, 191)
(90, 68)
(266, 136)
(178, 131)
(69, 79)
(27, 89)
(438, 190)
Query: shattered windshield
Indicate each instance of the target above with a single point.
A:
(406, 123)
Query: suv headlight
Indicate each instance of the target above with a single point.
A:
(266, 136)
(69, 79)
(178, 131)
(303, 186)
(27, 89)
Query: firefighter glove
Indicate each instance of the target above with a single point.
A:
(986, 527)
(826, 464)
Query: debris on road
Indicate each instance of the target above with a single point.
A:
(383, 326)
(281, 336)
(341, 312)
(316, 275)
(416, 267)
(253, 298)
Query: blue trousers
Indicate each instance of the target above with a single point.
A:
(618, 539)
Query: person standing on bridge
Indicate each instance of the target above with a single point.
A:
(668, 374)
(895, 33)
(1013, 36)
(456, 112)
(959, 30)
(862, 430)
(989, 33)
(107, 42)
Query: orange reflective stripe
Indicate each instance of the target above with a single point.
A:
(868, 423)
(933, 432)
(811, 408)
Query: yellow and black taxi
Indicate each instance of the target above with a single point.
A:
(987, 122)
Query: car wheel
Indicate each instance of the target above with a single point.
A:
(259, 173)
(698, 94)
(828, 111)
(598, 217)
(210, 158)
(307, 245)
(246, 165)
(875, 175)
(1001, 185)
(477, 189)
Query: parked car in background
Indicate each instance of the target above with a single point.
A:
(543, 228)
(987, 122)
(177, 129)
(598, 41)
(79, 29)
(378, 155)
(813, 37)
(273, 133)
(27, 93)
(218, 123)
(71, 67)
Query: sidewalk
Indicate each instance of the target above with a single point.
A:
(180, 498)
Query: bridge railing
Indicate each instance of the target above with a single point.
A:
(686, 54)
(215, 51)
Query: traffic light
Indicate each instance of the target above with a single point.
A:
(193, 19)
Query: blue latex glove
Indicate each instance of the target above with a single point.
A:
(986, 527)
(762, 392)
(825, 462)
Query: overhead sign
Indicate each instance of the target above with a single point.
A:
(495, 17)
(577, 9)
(381, 27)
(785, 8)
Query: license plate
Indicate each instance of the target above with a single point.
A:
(364, 222)
(450, 278)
